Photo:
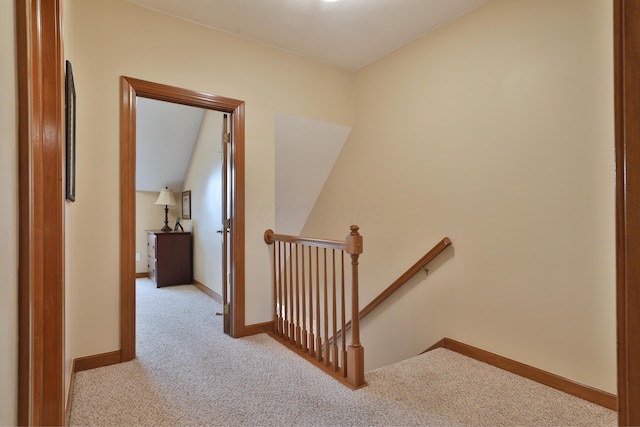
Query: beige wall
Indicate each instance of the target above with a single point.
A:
(150, 217)
(204, 180)
(496, 130)
(9, 195)
(114, 38)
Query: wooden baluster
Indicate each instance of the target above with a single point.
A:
(344, 318)
(283, 289)
(276, 316)
(311, 327)
(319, 335)
(285, 306)
(292, 326)
(298, 340)
(327, 349)
(281, 306)
(355, 352)
(275, 292)
(304, 303)
(334, 347)
(285, 292)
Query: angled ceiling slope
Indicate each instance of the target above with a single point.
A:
(306, 151)
(165, 136)
(348, 34)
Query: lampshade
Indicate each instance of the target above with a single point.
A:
(166, 198)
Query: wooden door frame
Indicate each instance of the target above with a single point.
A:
(41, 212)
(40, 376)
(130, 89)
(627, 128)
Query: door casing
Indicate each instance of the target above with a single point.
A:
(130, 89)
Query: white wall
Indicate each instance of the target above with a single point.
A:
(204, 180)
(115, 38)
(9, 195)
(496, 130)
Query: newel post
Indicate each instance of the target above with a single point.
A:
(355, 352)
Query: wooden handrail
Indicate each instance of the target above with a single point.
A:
(397, 284)
(270, 237)
(429, 256)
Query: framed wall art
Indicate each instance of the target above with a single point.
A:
(70, 133)
(186, 204)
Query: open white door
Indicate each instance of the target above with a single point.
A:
(226, 221)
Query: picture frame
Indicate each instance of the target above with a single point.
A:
(186, 204)
(70, 133)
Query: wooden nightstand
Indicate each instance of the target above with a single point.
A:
(169, 258)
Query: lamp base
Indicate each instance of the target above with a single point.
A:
(166, 219)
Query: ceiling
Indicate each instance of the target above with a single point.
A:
(348, 34)
(165, 136)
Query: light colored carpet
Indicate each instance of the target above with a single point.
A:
(189, 373)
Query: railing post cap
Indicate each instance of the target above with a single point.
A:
(267, 236)
(354, 241)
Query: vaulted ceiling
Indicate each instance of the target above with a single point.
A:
(165, 137)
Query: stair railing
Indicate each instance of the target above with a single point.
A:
(397, 284)
(310, 292)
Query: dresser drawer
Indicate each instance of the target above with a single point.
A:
(151, 268)
(151, 245)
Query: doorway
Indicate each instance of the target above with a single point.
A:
(131, 89)
(182, 148)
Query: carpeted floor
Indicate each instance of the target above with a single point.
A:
(189, 373)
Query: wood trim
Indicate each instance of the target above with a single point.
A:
(209, 292)
(258, 328)
(127, 221)
(237, 234)
(627, 131)
(41, 390)
(177, 95)
(142, 275)
(130, 88)
(566, 385)
(96, 361)
(29, 308)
